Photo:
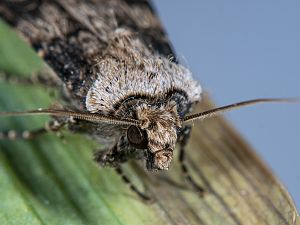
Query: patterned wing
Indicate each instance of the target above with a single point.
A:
(71, 35)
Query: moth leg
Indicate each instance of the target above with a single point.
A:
(35, 79)
(182, 144)
(53, 126)
(117, 155)
(127, 181)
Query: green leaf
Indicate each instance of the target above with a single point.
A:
(54, 181)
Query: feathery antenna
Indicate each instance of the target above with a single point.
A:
(76, 115)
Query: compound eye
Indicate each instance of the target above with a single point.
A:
(137, 137)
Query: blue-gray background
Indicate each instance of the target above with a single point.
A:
(240, 50)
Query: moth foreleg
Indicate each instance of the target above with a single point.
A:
(53, 126)
(117, 155)
(110, 158)
(120, 153)
(127, 181)
(182, 144)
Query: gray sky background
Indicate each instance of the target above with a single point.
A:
(240, 50)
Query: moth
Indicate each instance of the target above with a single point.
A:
(119, 78)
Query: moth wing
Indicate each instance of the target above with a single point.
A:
(71, 35)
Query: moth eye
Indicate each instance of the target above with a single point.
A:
(137, 137)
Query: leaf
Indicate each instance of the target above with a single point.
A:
(54, 181)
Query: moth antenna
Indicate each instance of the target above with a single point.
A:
(222, 109)
(76, 115)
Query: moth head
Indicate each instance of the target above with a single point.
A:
(157, 133)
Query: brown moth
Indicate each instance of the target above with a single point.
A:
(119, 80)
